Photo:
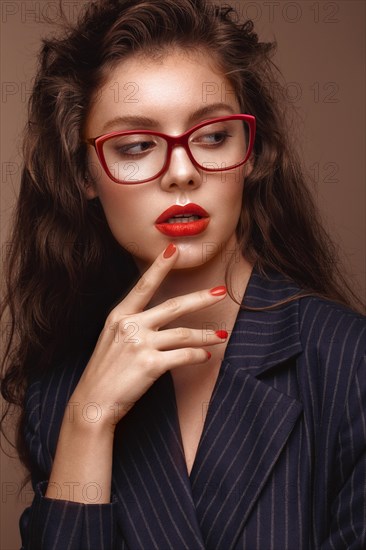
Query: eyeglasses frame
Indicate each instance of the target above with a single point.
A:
(174, 141)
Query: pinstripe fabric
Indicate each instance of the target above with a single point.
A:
(281, 464)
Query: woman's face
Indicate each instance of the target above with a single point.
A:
(169, 95)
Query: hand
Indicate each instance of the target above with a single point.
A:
(132, 353)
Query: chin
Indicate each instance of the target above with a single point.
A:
(195, 255)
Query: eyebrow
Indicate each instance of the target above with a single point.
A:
(148, 123)
(130, 121)
(209, 110)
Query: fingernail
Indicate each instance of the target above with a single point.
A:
(218, 291)
(169, 251)
(208, 354)
(221, 334)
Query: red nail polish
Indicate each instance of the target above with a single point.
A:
(221, 334)
(169, 251)
(208, 354)
(218, 291)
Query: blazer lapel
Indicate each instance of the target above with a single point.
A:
(150, 476)
(248, 421)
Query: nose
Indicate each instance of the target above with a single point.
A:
(181, 172)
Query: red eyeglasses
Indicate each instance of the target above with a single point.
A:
(138, 156)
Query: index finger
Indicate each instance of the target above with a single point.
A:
(145, 288)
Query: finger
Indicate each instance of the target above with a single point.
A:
(183, 357)
(172, 309)
(181, 337)
(145, 288)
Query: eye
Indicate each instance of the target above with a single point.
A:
(217, 137)
(134, 148)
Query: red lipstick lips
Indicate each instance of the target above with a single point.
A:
(183, 221)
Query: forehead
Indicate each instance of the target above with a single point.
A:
(168, 88)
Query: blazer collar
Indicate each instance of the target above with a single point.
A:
(247, 425)
(263, 338)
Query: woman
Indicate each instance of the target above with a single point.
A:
(188, 369)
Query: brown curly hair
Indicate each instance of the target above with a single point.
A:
(65, 269)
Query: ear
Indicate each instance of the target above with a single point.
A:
(90, 188)
(249, 165)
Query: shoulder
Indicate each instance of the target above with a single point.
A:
(325, 320)
(45, 401)
(331, 328)
(321, 331)
(60, 378)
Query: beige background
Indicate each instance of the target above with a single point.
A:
(321, 54)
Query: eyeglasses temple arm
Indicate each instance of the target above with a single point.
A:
(90, 141)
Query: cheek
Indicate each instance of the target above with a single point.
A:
(119, 205)
(230, 202)
(112, 199)
(230, 190)
(123, 217)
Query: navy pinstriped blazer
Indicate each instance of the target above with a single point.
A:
(281, 463)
